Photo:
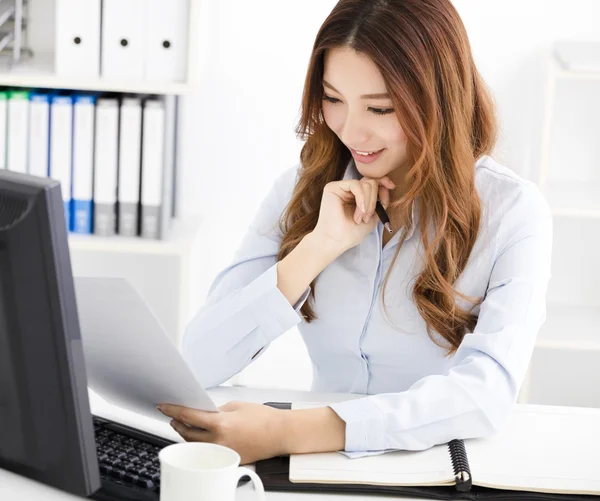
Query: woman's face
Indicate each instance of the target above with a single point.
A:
(358, 109)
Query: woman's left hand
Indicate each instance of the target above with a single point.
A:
(254, 431)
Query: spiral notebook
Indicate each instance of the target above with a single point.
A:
(543, 452)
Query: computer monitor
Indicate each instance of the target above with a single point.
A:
(46, 428)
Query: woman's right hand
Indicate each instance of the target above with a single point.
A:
(347, 213)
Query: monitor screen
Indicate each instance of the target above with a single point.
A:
(46, 430)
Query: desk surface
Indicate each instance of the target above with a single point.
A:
(17, 488)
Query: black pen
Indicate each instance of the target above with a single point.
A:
(383, 217)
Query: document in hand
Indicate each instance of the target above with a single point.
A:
(130, 360)
(543, 452)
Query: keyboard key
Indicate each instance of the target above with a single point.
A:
(105, 469)
(145, 483)
(117, 473)
(131, 477)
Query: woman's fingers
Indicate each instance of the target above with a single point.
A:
(384, 196)
(191, 434)
(350, 190)
(387, 182)
(191, 417)
(364, 193)
(375, 188)
(369, 188)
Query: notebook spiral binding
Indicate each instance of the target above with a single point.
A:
(460, 464)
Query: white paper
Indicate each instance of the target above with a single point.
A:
(541, 448)
(429, 467)
(130, 360)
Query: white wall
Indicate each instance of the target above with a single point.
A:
(237, 131)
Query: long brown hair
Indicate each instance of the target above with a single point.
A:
(422, 50)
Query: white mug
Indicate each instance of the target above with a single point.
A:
(196, 471)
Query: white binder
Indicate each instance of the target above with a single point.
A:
(123, 39)
(105, 166)
(77, 38)
(61, 143)
(166, 40)
(3, 124)
(152, 167)
(39, 134)
(84, 109)
(130, 149)
(18, 130)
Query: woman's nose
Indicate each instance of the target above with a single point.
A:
(354, 132)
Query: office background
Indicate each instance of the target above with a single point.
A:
(235, 134)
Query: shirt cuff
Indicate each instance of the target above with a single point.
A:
(364, 424)
(302, 299)
(275, 315)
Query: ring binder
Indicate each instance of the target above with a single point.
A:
(460, 464)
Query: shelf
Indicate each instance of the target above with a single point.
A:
(573, 198)
(182, 236)
(38, 72)
(576, 75)
(570, 327)
(577, 60)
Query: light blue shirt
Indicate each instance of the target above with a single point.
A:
(416, 396)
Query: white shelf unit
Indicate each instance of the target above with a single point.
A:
(165, 272)
(567, 195)
(565, 366)
(38, 71)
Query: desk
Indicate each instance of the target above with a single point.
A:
(16, 488)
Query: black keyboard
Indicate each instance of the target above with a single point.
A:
(127, 459)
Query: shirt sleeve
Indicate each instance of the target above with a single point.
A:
(475, 397)
(244, 309)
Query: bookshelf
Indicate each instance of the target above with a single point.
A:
(572, 198)
(184, 230)
(39, 72)
(567, 195)
(565, 367)
(165, 272)
(566, 358)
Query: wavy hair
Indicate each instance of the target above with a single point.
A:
(423, 53)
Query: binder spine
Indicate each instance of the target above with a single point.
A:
(460, 464)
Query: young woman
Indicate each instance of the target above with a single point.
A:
(435, 322)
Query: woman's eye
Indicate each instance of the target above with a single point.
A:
(382, 111)
(376, 111)
(330, 99)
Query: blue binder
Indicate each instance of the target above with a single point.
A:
(83, 162)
